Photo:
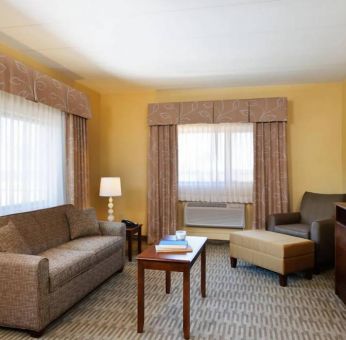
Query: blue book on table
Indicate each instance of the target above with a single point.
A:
(173, 243)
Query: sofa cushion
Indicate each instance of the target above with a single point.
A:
(298, 230)
(66, 264)
(31, 231)
(101, 246)
(82, 223)
(42, 229)
(54, 224)
(11, 241)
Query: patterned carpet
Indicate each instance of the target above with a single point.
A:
(242, 303)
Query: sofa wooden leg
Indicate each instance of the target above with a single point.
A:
(283, 280)
(308, 274)
(120, 270)
(35, 334)
(233, 262)
(317, 270)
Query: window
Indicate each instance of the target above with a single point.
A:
(215, 162)
(32, 155)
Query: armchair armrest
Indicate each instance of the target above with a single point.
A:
(323, 234)
(24, 284)
(286, 218)
(112, 228)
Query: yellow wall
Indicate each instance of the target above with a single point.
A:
(123, 150)
(118, 138)
(314, 139)
(92, 124)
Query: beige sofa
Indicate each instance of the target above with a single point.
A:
(36, 289)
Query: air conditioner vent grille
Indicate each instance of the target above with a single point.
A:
(214, 214)
(207, 204)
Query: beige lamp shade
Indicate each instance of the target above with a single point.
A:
(110, 186)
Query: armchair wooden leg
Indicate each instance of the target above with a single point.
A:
(233, 262)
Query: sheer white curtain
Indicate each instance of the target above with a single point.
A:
(215, 162)
(32, 155)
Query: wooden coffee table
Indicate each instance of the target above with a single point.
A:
(150, 259)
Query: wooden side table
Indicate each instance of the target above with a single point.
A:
(130, 231)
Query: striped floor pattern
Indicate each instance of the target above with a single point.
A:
(243, 303)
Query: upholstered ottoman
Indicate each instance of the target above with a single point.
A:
(283, 254)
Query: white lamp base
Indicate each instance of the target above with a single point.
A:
(110, 210)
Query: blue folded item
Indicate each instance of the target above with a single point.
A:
(173, 243)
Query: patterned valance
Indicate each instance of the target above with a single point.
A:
(221, 111)
(19, 79)
(201, 112)
(164, 114)
(268, 110)
(231, 111)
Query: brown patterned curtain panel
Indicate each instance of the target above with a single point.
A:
(162, 182)
(19, 79)
(77, 162)
(271, 178)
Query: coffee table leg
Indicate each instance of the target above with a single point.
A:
(139, 247)
(168, 282)
(129, 247)
(186, 303)
(203, 258)
(140, 297)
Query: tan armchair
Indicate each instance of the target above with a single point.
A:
(315, 221)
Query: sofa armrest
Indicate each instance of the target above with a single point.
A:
(108, 228)
(112, 228)
(323, 234)
(24, 284)
(286, 218)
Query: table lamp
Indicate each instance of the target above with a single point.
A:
(110, 187)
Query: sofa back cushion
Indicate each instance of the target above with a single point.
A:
(83, 223)
(11, 241)
(316, 206)
(41, 229)
(54, 224)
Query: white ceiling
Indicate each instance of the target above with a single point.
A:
(120, 44)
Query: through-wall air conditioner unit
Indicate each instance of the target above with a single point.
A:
(208, 214)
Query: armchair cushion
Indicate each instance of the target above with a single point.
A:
(82, 223)
(298, 230)
(11, 241)
(101, 246)
(284, 218)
